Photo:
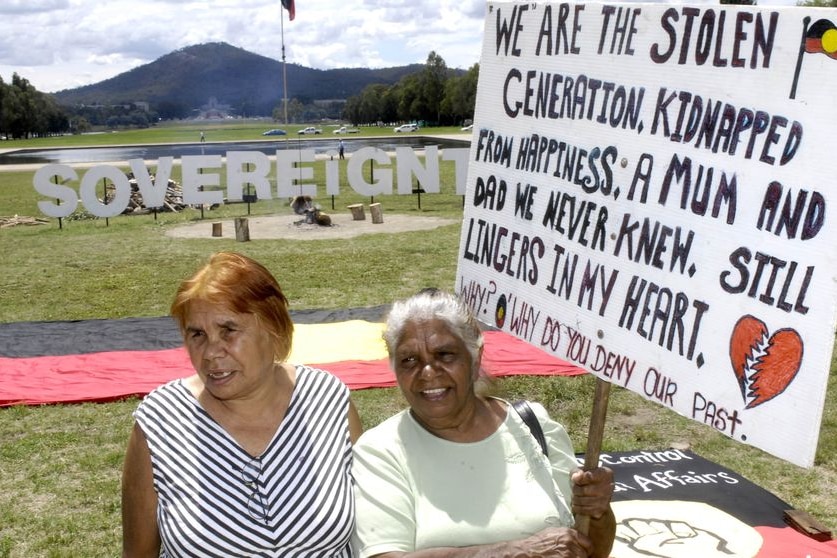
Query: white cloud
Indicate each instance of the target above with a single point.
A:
(59, 44)
(14, 7)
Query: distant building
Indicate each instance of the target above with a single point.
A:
(213, 110)
(329, 102)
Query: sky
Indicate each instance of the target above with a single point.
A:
(63, 44)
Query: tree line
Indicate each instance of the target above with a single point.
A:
(434, 96)
(25, 112)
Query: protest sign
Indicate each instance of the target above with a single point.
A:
(647, 197)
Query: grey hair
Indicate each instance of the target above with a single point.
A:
(431, 304)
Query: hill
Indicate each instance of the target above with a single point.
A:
(249, 83)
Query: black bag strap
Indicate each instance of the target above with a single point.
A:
(528, 415)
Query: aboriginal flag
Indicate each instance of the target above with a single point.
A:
(289, 5)
(106, 360)
(822, 37)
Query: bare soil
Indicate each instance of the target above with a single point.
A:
(292, 226)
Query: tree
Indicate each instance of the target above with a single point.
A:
(432, 87)
(79, 125)
(246, 108)
(351, 111)
(433, 95)
(22, 104)
(296, 109)
(460, 96)
(25, 111)
(410, 101)
(389, 105)
(377, 103)
(278, 113)
(172, 110)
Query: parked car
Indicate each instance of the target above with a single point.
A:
(345, 130)
(468, 128)
(274, 132)
(412, 127)
(310, 130)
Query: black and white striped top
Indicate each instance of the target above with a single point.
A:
(214, 499)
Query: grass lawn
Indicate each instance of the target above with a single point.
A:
(59, 487)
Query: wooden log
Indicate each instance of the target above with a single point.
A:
(242, 229)
(806, 524)
(216, 229)
(377, 213)
(357, 212)
(322, 219)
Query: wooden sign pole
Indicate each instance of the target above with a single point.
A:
(594, 440)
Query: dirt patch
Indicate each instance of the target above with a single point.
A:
(293, 226)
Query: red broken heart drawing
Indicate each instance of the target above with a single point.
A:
(764, 366)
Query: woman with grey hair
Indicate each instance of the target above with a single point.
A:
(458, 473)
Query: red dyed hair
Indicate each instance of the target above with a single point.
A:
(240, 284)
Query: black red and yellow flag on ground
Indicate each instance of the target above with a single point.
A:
(107, 360)
(676, 504)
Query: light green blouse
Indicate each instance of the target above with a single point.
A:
(414, 490)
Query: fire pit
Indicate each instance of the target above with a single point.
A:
(304, 205)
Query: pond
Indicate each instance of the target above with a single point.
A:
(73, 155)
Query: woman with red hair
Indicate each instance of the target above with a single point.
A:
(251, 455)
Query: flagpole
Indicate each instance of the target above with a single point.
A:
(805, 22)
(284, 64)
(595, 435)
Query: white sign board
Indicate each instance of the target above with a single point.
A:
(647, 197)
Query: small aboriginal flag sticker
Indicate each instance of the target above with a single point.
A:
(500, 312)
(822, 37)
(819, 37)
